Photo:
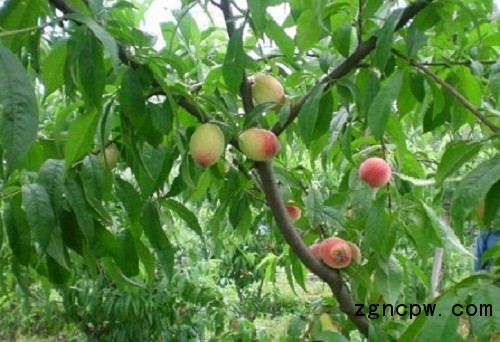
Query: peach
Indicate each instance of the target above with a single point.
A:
(110, 156)
(293, 211)
(335, 252)
(375, 171)
(207, 144)
(267, 89)
(315, 250)
(355, 252)
(259, 144)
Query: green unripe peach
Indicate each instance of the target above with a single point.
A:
(110, 156)
(207, 144)
(267, 89)
(259, 144)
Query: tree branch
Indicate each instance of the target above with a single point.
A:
(351, 62)
(330, 276)
(246, 86)
(126, 59)
(450, 89)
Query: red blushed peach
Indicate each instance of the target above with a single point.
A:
(259, 144)
(267, 89)
(375, 171)
(293, 211)
(207, 144)
(335, 252)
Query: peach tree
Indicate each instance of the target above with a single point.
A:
(112, 143)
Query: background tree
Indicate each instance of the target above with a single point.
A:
(100, 182)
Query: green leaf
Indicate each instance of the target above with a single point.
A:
(284, 42)
(130, 198)
(131, 97)
(157, 162)
(385, 38)
(53, 68)
(415, 40)
(381, 107)
(92, 176)
(447, 235)
(18, 231)
(17, 15)
(442, 326)
(240, 215)
(78, 202)
(492, 203)
(308, 30)
(308, 115)
(93, 183)
(39, 212)
(258, 11)
(18, 110)
(51, 177)
(234, 62)
(81, 137)
(185, 214)
(150, 221)
(314, 206)
(126, 255)
(389, 281)
(486, 321)
(455, 155)
(377, 225)
(494, 82)
(106, 39)
(472, 190)
(298, 271)
(56, 248)
(115, 274)
(341, 39)
(91, 72)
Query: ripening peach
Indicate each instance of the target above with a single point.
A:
(375, 171)
(259, 144)
(207, 144)
(355, 252)
(293, 211)
(267, 89)
(335, 252)
(315, 250)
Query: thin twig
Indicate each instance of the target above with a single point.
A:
(5, 33)
(360, 20)
(450, 89)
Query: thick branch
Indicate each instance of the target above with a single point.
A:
(351, 62)
(332, 277)
(450, 89)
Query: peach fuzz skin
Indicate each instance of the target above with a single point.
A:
(375, 171)
(335, 252)
(259, 144)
